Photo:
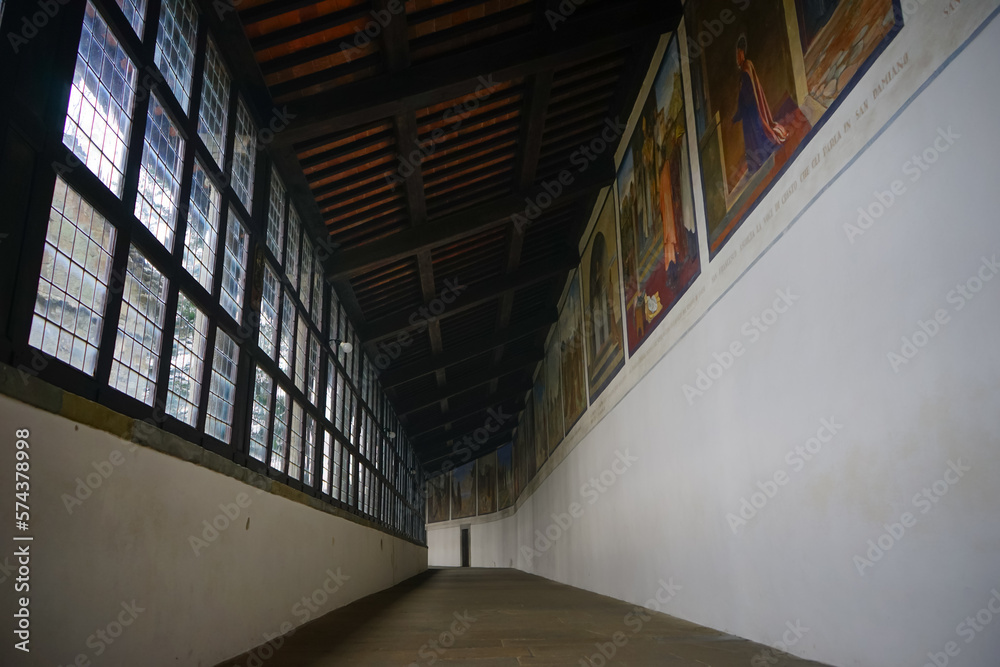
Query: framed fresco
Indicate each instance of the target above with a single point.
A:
(530, 440)
(601, 295)
(539, 422)
(487, 483)
(438, 498)
(570, 342)
(463, 491)
(505, 476)
(765, 83)
(552, 398)
(660, 257)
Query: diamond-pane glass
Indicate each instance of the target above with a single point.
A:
(99, 114)
(187, 362)
(317, 297)
(305, 274)
(175, 42)
(271, 291)
(279, 436)
(222, 390)
(260, 414)
(301, 340)
(292, 248)
(295, 443)
(327, 466)
(213, 114)
(276, 215)
(140, 329)
(234, 268)
(309, 455)
(244, 155)
(202, 233)
(287, 345)
(312, 372)
(73, 283)
(160, 175)
(135, 12)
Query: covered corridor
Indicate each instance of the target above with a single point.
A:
(463, 617)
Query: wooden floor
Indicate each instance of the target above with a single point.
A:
(504, 618)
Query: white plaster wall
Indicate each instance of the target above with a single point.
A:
(666, 516)
(130, 541)
(444, 547)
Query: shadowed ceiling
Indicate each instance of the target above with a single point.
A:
(418, 132)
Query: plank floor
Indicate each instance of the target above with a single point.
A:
(504, 618)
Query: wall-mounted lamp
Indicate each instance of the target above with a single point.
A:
(391, 435)
(344, 346)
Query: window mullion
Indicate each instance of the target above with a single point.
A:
(166, 353)
(113, 308)
(206, 376)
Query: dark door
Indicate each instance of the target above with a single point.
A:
(466, 559)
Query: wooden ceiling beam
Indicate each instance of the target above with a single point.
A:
(394, 377)
(393, 325)
(502, 402)
(270, 10)
(450, 389)
(433, 457)
(303, 28)
(604, 30)
(395, 40)
(535, 105)
(466, 223)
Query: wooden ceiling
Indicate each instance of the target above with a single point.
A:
(417, 131)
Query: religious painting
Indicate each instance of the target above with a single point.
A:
(520, 462)
(569, 344)
(601, 293)
(540, 422)
(463, 491)
(505, 476)
(530, 440)
(660, 258)
(553, 397)
(487, 483)
(764, 81)
(438, 490)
